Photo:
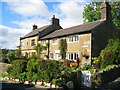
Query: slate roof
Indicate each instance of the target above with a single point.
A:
(35, 32)
(83, 28)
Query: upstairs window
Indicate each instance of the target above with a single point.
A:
(43, 43)
(73, 38)
(26, 43)
(33, 42)
(22, 43)
(55, 41)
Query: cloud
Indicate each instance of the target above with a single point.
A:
(9, 37)
(36, 12)
(68, 16)
(70, 13)
(28, 23)
(29, 8)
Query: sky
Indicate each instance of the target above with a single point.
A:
(18, 16)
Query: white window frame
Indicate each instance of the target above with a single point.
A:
(73, 53)
(54, 41)
(22, 43)
(27, 43)
(43, 43)
(73, 39)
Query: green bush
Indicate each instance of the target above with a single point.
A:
(20, 58)
(59, 82)
(22, 76)
(33, 57)
(111, 54)
(11, 56)
(18, 67)
(43, 70)
(106, 75)
(5, 60)
(48, 70)
(31, 69)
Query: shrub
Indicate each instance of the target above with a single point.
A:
(20, 58)
(111, 54)
(33, 57)
(106, 75)
(18, 67)
(11, 56)
(59, 82)
(5, 60)
(48, 70)
(22, 76)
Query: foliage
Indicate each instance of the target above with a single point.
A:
(86, 67)
(63, 48)
(92, 12)
(11, 55)
(20, 58)
(18, 67)
(5, 60)
(4, 75)
(39, 48)
(111, 54)
(4, 52)
(22, 76)
(18, 52)
(31, 69)
(59, 81)
(67, 74)
(111, 72)
(43, 70)
(48, 70)
(33, 57)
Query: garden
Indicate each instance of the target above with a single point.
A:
(60, 72)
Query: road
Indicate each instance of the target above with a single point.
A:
(17, 86)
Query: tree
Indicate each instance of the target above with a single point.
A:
(18, 52)
(63, 48)
(39, 48)
(4, 52)
(11, 55)
(92, 12)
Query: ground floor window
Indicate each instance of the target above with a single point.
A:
(57, 56)
(73, 56)
(51, 56)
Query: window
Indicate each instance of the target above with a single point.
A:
(72, 56)
(55, 41)
(51, 55)
(43, 43)
(33, 42)
(26, 43)
(22, 43)
(73, 38)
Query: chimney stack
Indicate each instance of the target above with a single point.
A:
(55, 21)
(34, 27)
(106, 11)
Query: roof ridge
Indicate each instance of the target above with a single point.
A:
(83, 24)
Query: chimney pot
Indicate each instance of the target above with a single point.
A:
(55, 20)
(34, 27)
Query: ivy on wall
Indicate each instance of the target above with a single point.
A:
(63, 48)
